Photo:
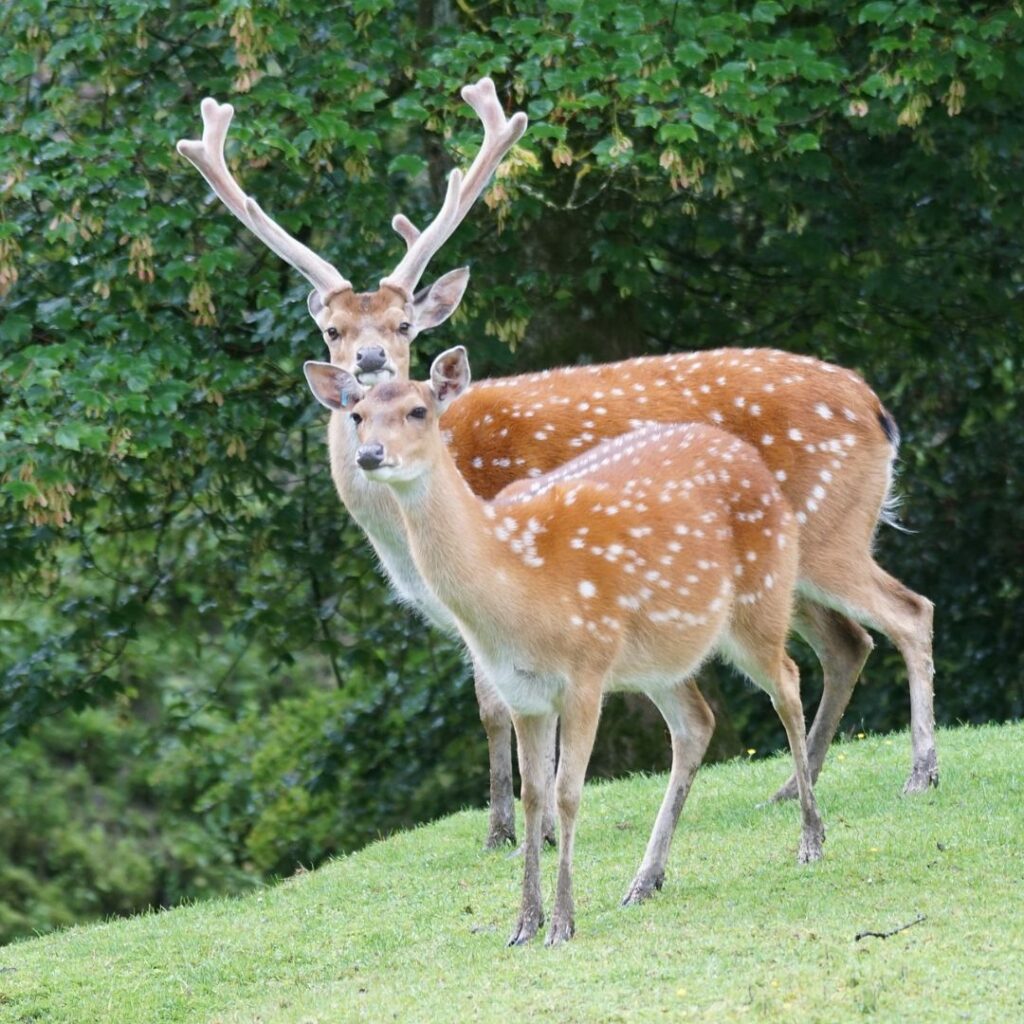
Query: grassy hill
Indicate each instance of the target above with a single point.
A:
(413, 928)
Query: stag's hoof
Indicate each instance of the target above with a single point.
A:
(643, 888)
(550, 839)
(528, 926)
(923, 775)
(500, 835)
(788, 791)
(563, 928)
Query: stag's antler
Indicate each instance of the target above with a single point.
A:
(208, 158)
(500, 135)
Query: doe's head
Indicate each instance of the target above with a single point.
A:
(396, 423)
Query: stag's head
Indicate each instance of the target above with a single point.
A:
(396, 422)
(368, 333)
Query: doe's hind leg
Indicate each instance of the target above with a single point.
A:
(691, 723)
(774, 671)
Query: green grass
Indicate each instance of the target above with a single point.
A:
(413, 929)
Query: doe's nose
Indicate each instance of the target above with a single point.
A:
(371, 359)
(370, 456)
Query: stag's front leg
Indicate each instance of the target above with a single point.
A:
(578, 729)
(497, 722)
(534, 736)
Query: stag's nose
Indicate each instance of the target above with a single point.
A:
(370, 456)
(370, 359)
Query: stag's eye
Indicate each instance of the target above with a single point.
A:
(355, 418)
(332, 333)
(419, 413)
(404, 326)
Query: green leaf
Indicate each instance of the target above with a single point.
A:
(680, 131)
(15, 327)
(407, 163)
(766, 11)
(804, 142)
(878, 11)
(689, 54)
(704, 119)
(67, 435)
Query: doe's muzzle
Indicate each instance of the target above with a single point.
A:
(370, 456)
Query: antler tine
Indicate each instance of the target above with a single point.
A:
(500, 135)
(207, 156)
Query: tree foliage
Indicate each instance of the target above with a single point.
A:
(841, 180)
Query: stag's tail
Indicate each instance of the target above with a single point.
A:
(889, 513)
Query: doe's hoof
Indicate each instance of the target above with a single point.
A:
(562, 930)
(811, 844)
(527, 926)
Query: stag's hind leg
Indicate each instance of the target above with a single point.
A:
(691, 723)
(869, 594)
(842, 647)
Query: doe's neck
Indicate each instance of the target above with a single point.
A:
(452, 541)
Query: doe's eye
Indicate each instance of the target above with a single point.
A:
(355, 418)
(404, 326)
(419, 413)
(332, 333)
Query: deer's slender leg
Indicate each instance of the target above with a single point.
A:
(869, 594)
(691, 724)
(534, 736)
(786, 700)
(764, 659)
(549, 828)
(842, 647)
(578, 728)
(497, 722)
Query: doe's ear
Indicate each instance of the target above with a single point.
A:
(432, 306)
(332, 386)
(449, 375)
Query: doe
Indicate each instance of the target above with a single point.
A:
(624, 569)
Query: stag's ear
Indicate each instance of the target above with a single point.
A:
(332, 386)
(432, 306)
(314, 304)
(449, 376)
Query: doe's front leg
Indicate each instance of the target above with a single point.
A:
(534, 737)
(578, 729)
